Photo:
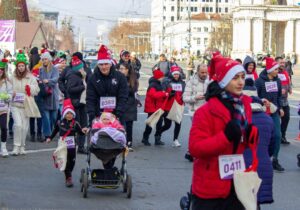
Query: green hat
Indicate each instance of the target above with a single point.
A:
(21, 58)
(3, 63)
(60, 54)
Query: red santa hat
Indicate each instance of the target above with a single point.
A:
(157, 74)
(175, 70)
(271, 65)
(68, 107)
(104, 55)
(224, 69)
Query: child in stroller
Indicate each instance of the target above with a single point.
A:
(106, 141)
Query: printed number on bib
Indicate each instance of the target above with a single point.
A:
(70, 141)
(177, 87)
(3, 106)
(282, 77)
(19, 98)
(228, 164)
(271, 87)
(107, 102)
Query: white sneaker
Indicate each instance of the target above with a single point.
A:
(16, 151)
(22, 151)
(176, 143)
(3, 149)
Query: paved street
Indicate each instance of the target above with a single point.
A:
(160, 174)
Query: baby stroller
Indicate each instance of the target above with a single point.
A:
(105, 149)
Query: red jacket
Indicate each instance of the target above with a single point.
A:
(284, 78)
(177, 96)
(207, 142)
(155, 97)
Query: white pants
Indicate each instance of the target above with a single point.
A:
(21, 125)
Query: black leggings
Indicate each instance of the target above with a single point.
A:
(3, 125)
(167, 125)
(129, 127)
(148, 129)
(285, 120)
(71, 158)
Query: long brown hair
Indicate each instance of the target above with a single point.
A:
(4, 76)
(20, 75)
(131, 77)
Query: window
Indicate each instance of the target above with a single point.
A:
(226, 1)
(172, 18)
(205, 41)
(195, 9)
(192, 9)
(198, 41)
(203, 9)
(199, 29)
(220, 10)
(164, 17)
(181, 9)
(205, 29)
(210, 9)
(206, 9)
(172, 8)
(226, 9)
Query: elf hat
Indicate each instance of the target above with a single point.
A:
(68, 107)
(21, 58)
(271, 65)
(224, 69)
(104, 55)
(76, 63)
(3, 63)
(175, 70)
(157, 74)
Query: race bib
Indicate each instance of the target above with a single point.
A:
(19, 98)
(107, 102)
(228, 164)
(3, 106)
(271, 87)
(282, 77)
(177, 87)
(70, 141)
(249, 76)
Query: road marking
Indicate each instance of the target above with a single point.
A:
(37, 151)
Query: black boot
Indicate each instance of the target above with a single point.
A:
(39, 137)
(276, 166)
(32, 138)
(188, 157)
(158, 141)
(284, 141)
(298, 158)
(145, 141)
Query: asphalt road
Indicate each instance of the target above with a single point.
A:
(160, 174)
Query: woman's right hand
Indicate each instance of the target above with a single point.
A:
(48, 140)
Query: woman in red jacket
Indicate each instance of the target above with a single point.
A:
(175, 87)
(155, 98)
(220, 128)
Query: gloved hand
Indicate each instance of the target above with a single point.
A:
(172, 93)
(27, 90)
(233, 133)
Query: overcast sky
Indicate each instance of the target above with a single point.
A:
(103, 13)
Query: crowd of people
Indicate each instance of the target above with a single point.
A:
(228, 101)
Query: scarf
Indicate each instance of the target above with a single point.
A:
(238, 109)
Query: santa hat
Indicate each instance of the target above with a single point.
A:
(175, 70)
(157, 74)
(68, 107)
(224, 69)
(76, 63)
(46, 55)
(104, 55)
(271, 65)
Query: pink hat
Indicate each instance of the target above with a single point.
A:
(104, 55)
(271, 65)
(224, 69)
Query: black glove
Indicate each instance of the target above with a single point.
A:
(233, 133)
(172, 93)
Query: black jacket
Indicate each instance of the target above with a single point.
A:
(113, 85)
(34, 58)
(131, 105)
(64, 125)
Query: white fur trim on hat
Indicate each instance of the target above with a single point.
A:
(230, 74)
(68, 110)
(104, 61)
(175, 72)
(46, 55)
(273, 68)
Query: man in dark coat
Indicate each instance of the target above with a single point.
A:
(34, 57)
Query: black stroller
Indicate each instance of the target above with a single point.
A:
(105, 150)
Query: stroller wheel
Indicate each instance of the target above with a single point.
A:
(81, 175)
(85, 184)
(129, 186)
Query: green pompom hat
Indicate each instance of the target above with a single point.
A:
(21, 58)
(3, 63)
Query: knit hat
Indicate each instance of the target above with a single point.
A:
(68, 107)
(3, 63)
(224, 69)
(46, 55)
(21, 58)
(271, 65)
(76, 63)
(124, 52)
(157, 74)
(79, 55)
(175, 70)
(104, 55)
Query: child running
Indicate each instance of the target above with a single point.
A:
(68, 128)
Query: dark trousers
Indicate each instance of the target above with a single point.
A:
(81, 117)
(71, 158)
(3, 125)
(285, 120)
(148, 129)
(32, 126)
(11, 123)
(167, 125)
(229, 203)
(129, 128)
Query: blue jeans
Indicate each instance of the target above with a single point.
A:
(276, 120)
(48, 118)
